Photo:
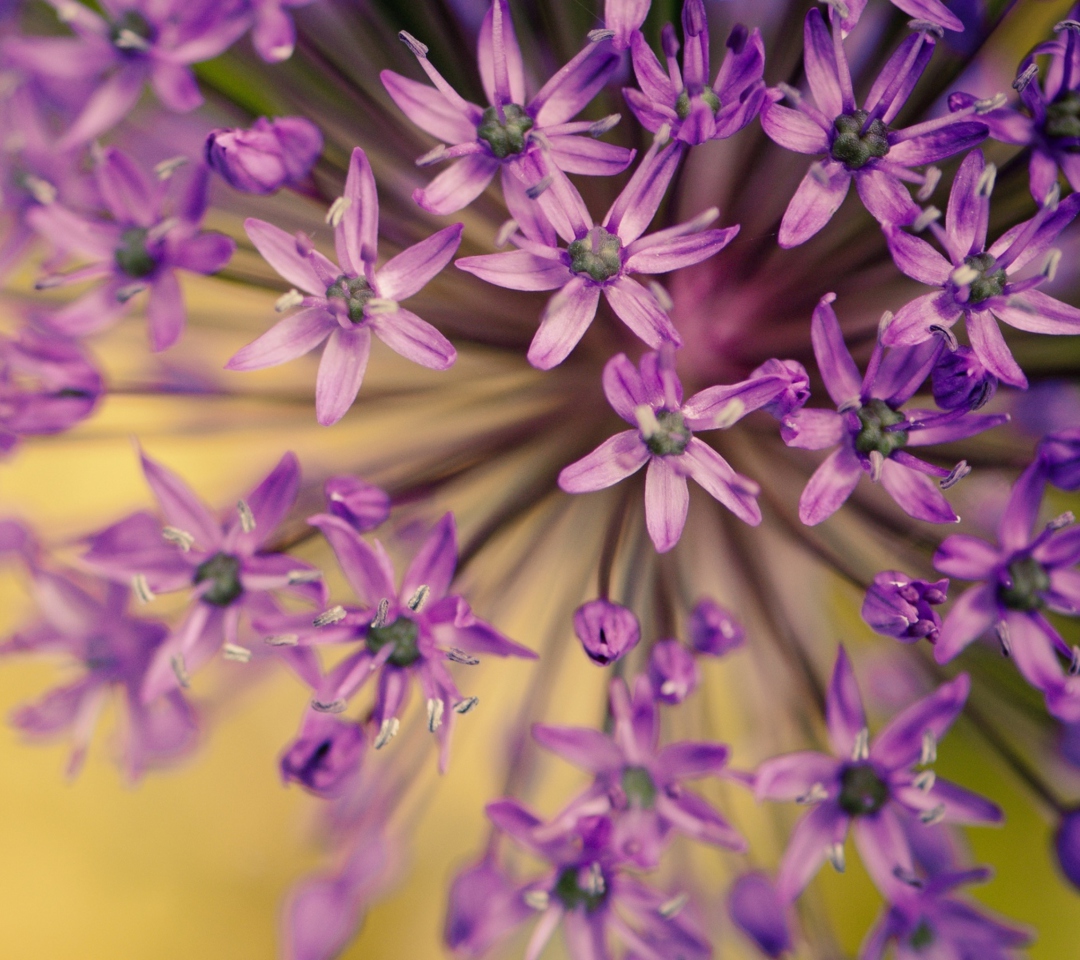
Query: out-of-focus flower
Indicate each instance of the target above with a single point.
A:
(673, 672)
(625, 18)
(714, 630)
(274, 34)
(362, 505)
(269, 155)
(897, 606)
(1067, 846)
(759, 913)
(1060, 455)
(325, 755)
(607, 630)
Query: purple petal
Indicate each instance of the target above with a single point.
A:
(838, 370)
(793, 130)
(165, 312)
(633, 210)
(714, 474)
(499, 57)
(820, 65)
(286, 340)
(933, 10)
(270, 501)
(279, 249)
(588, 157)
(204, 253)
(457, 186)
(616, 458)
(757, 911)
(435, 562)
(72, 233)
(366, 566)
(1033, 652)
(807, 848)
(666, 502)
(679, 252)
(356, 237)
(131, 198)
(915, 257)
(721, 404)
(912, 322)
(565, 320)
(885, 197)
(830, 486)
(813, 429)
(900, 743)
(527, 212)
(818, 197)
(1037, 312)
(175, 86)
(415, 339)
(883, 848)
(588, 749)
(989, 346)
(966, 557)
(695, 818)
(651, 76)
(181, 507)
(916, 493)
(341, 371)
(428, 108)
(106, 106)
(938, 144)
(575, 85)
(690, 760)
(844, 712)
(638, 309)
(973, 613)
(91, 312)
(623, 387)
(968, 213)
(792, 775)
(584, 936)
(961, 806)
(518, 270)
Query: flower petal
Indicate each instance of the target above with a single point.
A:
(791, 776)
(666, 503)
(181, 507)
(435, 562)
(989, 346)
(838, 370)
(288, 339)
(818, 197)
(1038, 312)
(885, 197)
(623, 387)
(899, 745)
(616, 458)
(973, 613)
(638, 309)
(916, 494)
(428, 108)
(813, 429)
(830, 486)
(341, 371)
(458, 185)
(279, 249)
(517, 270)
(366, 566)
(911, 323)
(165, 312)
(411, 270)
(679, 252)
(844, 714)
(356, 237)
(588, 749)
(808, 846)
(415, 339)
(915, 257)
(719, 480)
(966, 557)
(565, 320)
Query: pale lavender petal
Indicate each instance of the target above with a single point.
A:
(666, 503)
(916, 493)
(731, 402)
(990, 347)
(844, 712)
(1042, 173)
(356, 237)
(415, 339)
(1037, 312)
(181, 507)
(341, 371)
(428, 108)
(838, 370)
(525, 211)
(815, 201)
(131, 198)
(883, 848)
(830, 486)
(689, 760)
(912, 322)
(697, 819)
(791, 776)
(886, 197)
(107, 105)
(820, 66)
(434, 563)
(279, 249)
(973, 613)
(679, 252)
(286, 340)
(575, 85)
(165, 312)
(366, 566)
(900, 743)
(72, 233)
(565, 320)
(457, 186)
(517, 270)
(1022, 509)
(807, 848)
(269, 502)
(716, 477)
(588, 157)
(915, 257)
(633, 210)
(588, 749)
(638, 309)
(205, 253)
(508, 54)
(175, 86)
(616, 458)
(813, 429)
(793, 130)
(584, 936)
(966, 557)
(968, 212)
(623, 387)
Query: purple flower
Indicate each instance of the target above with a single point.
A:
(1067, 846)
(274, 34)
(673, 672)
(871, 429)
(1025, 575)
(362, 505)
(484, 139)
(859, 143)
(871, 786)
(139, 249)
(714, 630)
(271, 154)
(133, 42)
(652, 401)
(759, 913)
(683, 101)
(598, 258)
(325, 755)
(625, 18)
(796, 390)
(976, 280)
(484, 907)
(89, 623)
(405, 632)
(345, 305)
(223, 563)
(1060, 456)
(47, 385)
(960, 380)
(897, 606)
(639, 785)
(607, 630)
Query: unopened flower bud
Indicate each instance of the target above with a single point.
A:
(267, 156)
(960, 380)
(794, 395)
(757, 911)
(1067, 845)
(714, 630)
(361, 505)
(325, 755)
(673, 672)
(897, 606)
(606, 630)
(1060, 454)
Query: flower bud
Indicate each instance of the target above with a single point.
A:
(897, 606)
(757, 911)
(606, 630)
(269, 155)
(1060, 452)
(791, 398)
(1067, 845)
(361, 505)
(673, 672)
(714, 630)
(960, 380)
(325, 755)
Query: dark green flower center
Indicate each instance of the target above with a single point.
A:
(672, 436)
(1063, 117)
(223, 572)
(855, 148)
(862, 791)
(875, 417)
(1029, 581)
(921, 937)
(132, 256)
(683, 104)
(596, 255)
(355, 291)
(128, 29)
(989, 282)
(573, 895)
(639, 787)
(402, 634)
(505, 136)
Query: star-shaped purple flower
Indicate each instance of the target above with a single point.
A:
(858, 143)
(345, 304)
(871, 787)
(663, 437)
(483, 140)
(872, 430)
(977, 281)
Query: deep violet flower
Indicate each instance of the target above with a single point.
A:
(325, 755)
(147, 239)
(652, 400)
(870, 786)
(223, 562)
(959, 379)
(404, 633)
(345, 304)
(362, 505)
(897, 606)
(483, 140)
(1028, 573)
(273, 33)
(639, 784)
(133, 42)
(976, 281)
(607, 630)
(682, 100)
(87, 622)
(268, 155)
(858, 143)
(759, 913)
(714, 630)
(599, 257)
(872, 430)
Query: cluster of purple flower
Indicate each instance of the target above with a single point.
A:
(129, 231)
